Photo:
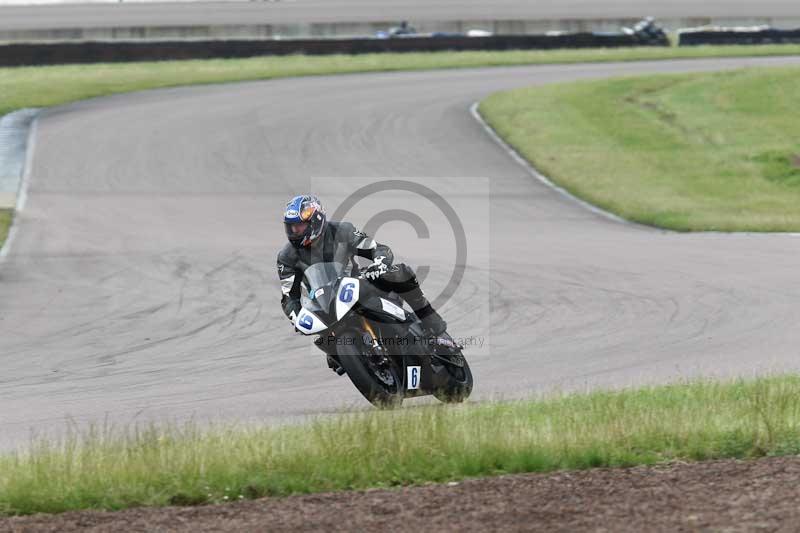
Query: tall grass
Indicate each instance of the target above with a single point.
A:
(110, 469)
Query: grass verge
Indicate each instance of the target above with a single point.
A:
(691, 152)
(5, 224)
(52, 85)
(112, 470)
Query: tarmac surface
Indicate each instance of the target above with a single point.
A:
(141, 285)
(140, 14)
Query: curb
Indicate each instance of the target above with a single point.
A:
(516, 156)
(18, 157)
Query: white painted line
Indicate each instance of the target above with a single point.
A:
(542, 178)
(12, 232)
(22, 197)
(593, 208)
(26, 172)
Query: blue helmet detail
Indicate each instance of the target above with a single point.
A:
(304, 220)
(291, 214)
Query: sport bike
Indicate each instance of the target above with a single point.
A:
(368, 335)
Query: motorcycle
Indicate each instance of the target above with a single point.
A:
(368, 335)
(647, 32)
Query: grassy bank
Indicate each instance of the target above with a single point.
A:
(691, 152)
(695, 421)
(52, 85)
(5, 223)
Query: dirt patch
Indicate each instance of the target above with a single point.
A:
(795, 160)
(761, 495)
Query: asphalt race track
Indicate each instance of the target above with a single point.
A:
(306, 11)
(141, 285)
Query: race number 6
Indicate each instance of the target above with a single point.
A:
(306, 322)
(413, 377)
(346, 294)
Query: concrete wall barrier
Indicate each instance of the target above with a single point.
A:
(19, 54)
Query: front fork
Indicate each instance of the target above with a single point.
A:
(378, 354)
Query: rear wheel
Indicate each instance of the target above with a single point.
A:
(374, 375)
(459, 382)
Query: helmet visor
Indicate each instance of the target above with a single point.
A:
(296, 231)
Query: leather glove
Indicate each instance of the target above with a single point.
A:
(293, 320)
(376, 269)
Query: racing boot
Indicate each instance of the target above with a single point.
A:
(440, 342)
(433, 324)
(434, 329)
(434, 333)
(402, 280)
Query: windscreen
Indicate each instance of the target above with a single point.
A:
(322, 276)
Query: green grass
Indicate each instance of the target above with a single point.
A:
(52, 85)
(5, 223)
(112, 470)
(691, 152)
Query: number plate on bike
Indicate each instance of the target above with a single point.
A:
(414, 377)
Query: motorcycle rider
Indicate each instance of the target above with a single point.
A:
(314, 239)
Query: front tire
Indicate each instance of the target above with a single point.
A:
(381, 385)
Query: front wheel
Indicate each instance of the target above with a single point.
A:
(374, 375)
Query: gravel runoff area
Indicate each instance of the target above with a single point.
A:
(756, 495)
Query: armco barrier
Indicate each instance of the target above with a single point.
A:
(19, 54)
(761, 36)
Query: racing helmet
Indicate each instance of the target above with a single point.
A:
(304, 219)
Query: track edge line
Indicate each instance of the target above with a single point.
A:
(22, 196)
(516, 156)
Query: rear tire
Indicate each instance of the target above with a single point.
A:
(353, 358)
(459, 385)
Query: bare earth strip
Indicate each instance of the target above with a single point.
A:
(720, 495)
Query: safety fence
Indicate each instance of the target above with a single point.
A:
(720, 36)
(47, 53)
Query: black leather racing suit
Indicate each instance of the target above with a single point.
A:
(340, 242)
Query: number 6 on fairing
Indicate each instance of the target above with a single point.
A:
(306, 321)
(346, 294)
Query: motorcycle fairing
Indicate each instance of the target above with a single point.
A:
(349, 291)
(309, 323)
(393, 309)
